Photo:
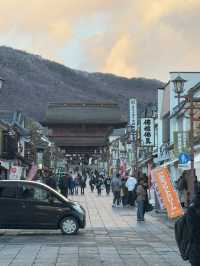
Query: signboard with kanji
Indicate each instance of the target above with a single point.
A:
(147, 132)
(181, 142)
(133, 117)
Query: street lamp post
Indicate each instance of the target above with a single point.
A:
(179, 86)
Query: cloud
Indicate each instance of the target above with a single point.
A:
(118, 61)
(143, 38)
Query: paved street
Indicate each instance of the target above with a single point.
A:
(112, 237)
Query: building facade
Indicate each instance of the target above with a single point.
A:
(174, 118)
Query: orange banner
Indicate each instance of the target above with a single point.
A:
(169, 196)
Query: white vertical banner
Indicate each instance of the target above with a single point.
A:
(15, 173)
(133, 116)
(147, 132)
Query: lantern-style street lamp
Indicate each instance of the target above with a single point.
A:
(179, 86)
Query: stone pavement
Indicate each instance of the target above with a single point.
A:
(112, 237)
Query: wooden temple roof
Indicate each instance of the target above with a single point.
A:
(82, 124)
(84, 113)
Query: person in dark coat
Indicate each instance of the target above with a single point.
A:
(71, 183)
(194, 226)
(50, 181)
(64, 185)
(99, 185)
(76, 182)
(82, 184)
(92, 183)
(107, 183)
(116, 185)
(124, 192)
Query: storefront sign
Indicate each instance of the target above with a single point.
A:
(147, 131)
(133, 117)
(163, 152)
(181, 142)
(166, 191)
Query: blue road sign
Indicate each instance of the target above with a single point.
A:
(184, 158)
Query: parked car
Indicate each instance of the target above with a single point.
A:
(33, 205)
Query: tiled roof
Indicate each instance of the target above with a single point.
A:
(86, 113)
(118, 132)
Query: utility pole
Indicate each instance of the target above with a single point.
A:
(136, 145)
(192, 130)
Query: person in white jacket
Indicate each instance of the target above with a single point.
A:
(130, 184)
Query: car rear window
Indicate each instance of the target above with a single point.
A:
(7, 191)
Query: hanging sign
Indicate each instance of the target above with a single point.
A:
(147, 131)
(122, 168)
(133, 117)
(181, 142)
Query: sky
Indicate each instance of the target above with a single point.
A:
(131, 38)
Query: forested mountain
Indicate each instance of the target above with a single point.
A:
(31, 82)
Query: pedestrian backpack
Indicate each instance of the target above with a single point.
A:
(182, 236)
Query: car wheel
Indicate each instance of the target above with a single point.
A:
(69, 226)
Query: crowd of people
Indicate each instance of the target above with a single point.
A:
(126, 189)
(74, 182)
(129, 190)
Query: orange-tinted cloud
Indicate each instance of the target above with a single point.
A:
(145, 38)
(118, 61)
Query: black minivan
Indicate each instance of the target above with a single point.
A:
(33, 205)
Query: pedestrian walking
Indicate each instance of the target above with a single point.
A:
(76, 184)
(107, 183)
(99, 185)
(116, 185)
(82, 184)
(182, 189)
(92, 183)
(72, 183)
(64, 185)
(50, 180)
(141, 196)
(124, 192)
(130, 184)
